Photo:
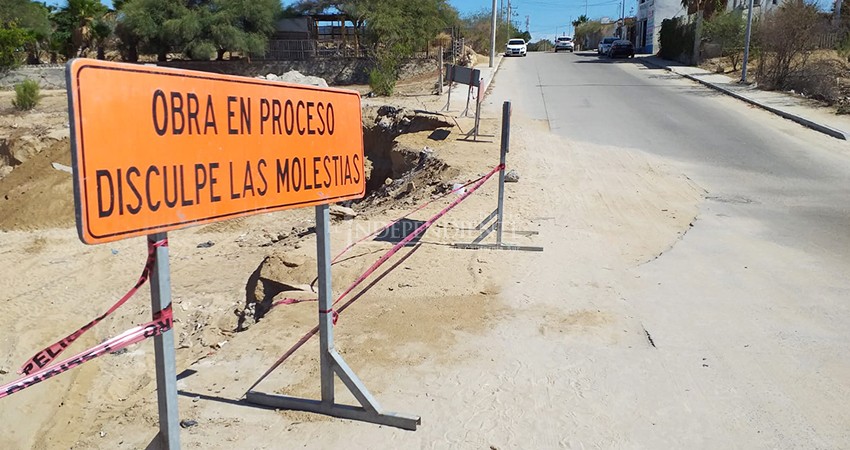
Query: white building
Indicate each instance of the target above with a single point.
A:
(649, 16)
(652, 12)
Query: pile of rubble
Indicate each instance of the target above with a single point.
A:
(296, 77)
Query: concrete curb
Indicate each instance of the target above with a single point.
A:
(838, 134)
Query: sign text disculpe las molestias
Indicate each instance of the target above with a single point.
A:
(132, 189)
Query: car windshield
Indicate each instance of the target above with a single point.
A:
(608, 40)
(516, 42)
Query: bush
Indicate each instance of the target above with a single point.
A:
(817, 80)
(26, 95)
(12, 42)
(590, 31)
(676, 39)
(382, 78)
(786, 37)
(727, 30)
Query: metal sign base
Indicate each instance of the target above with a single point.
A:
(499, 213)
(330, 360)
(370, 410)
(501, 246)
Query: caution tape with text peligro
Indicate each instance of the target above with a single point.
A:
(39, 367)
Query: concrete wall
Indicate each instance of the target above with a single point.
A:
(48, 76)
(336, 71)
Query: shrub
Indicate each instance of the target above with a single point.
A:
(26, 95)
(817, 80)
(786, 37)
(676, 39)
(382, 78)
(12, 42)
(727, 30)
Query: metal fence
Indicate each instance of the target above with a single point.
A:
(828, 40)
(298, 49)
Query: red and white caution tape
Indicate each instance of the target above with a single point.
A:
(162, 322)
(392, 251)
(46, 356)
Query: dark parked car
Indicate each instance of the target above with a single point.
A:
(622, 48)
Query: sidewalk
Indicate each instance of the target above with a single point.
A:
(780, 103)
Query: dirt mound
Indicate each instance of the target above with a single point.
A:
(35, 195)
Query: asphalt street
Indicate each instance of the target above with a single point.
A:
(750, 307)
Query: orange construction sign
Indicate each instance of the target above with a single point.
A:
(156, 149)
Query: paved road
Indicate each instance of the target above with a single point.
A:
(750, 308)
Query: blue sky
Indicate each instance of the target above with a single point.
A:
(549, 18)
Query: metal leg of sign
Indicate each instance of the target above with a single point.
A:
(166, 370)
(451, 83)
(500, 209)
(465, 112)
(331, 361)
(477, 113)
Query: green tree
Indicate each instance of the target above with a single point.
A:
(396, 28)
(239, 25)
(12, 42)
(74, 25)
(476, 30)
(101, 30)
(154, 27)
(197, 28)
(33, 18)
(727, 31)
(586, 32)
(581, 19)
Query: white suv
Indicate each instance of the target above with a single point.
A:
(564, 43)
(516, 47)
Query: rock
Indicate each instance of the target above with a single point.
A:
(61, 167)
(341, 212)
(207, 244)
(294, 76)
(512, 176)
(188, 423)
(5, 170)
(388, 110)
(272, 77)
(4, 370)
(20, 147)
(59, 134)
(291, 260)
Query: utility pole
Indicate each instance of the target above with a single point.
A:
(509, 19)
(747, 43)
(526, 24)
(836, 19)
(493, 35)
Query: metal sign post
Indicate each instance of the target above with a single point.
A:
(166, 365)
(331, 362)
(499, 213)
(450, 76)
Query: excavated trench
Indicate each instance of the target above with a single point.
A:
(387, 159)
(389, 164)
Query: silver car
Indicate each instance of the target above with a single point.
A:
(605, 45)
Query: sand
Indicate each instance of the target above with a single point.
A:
(491, 349)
